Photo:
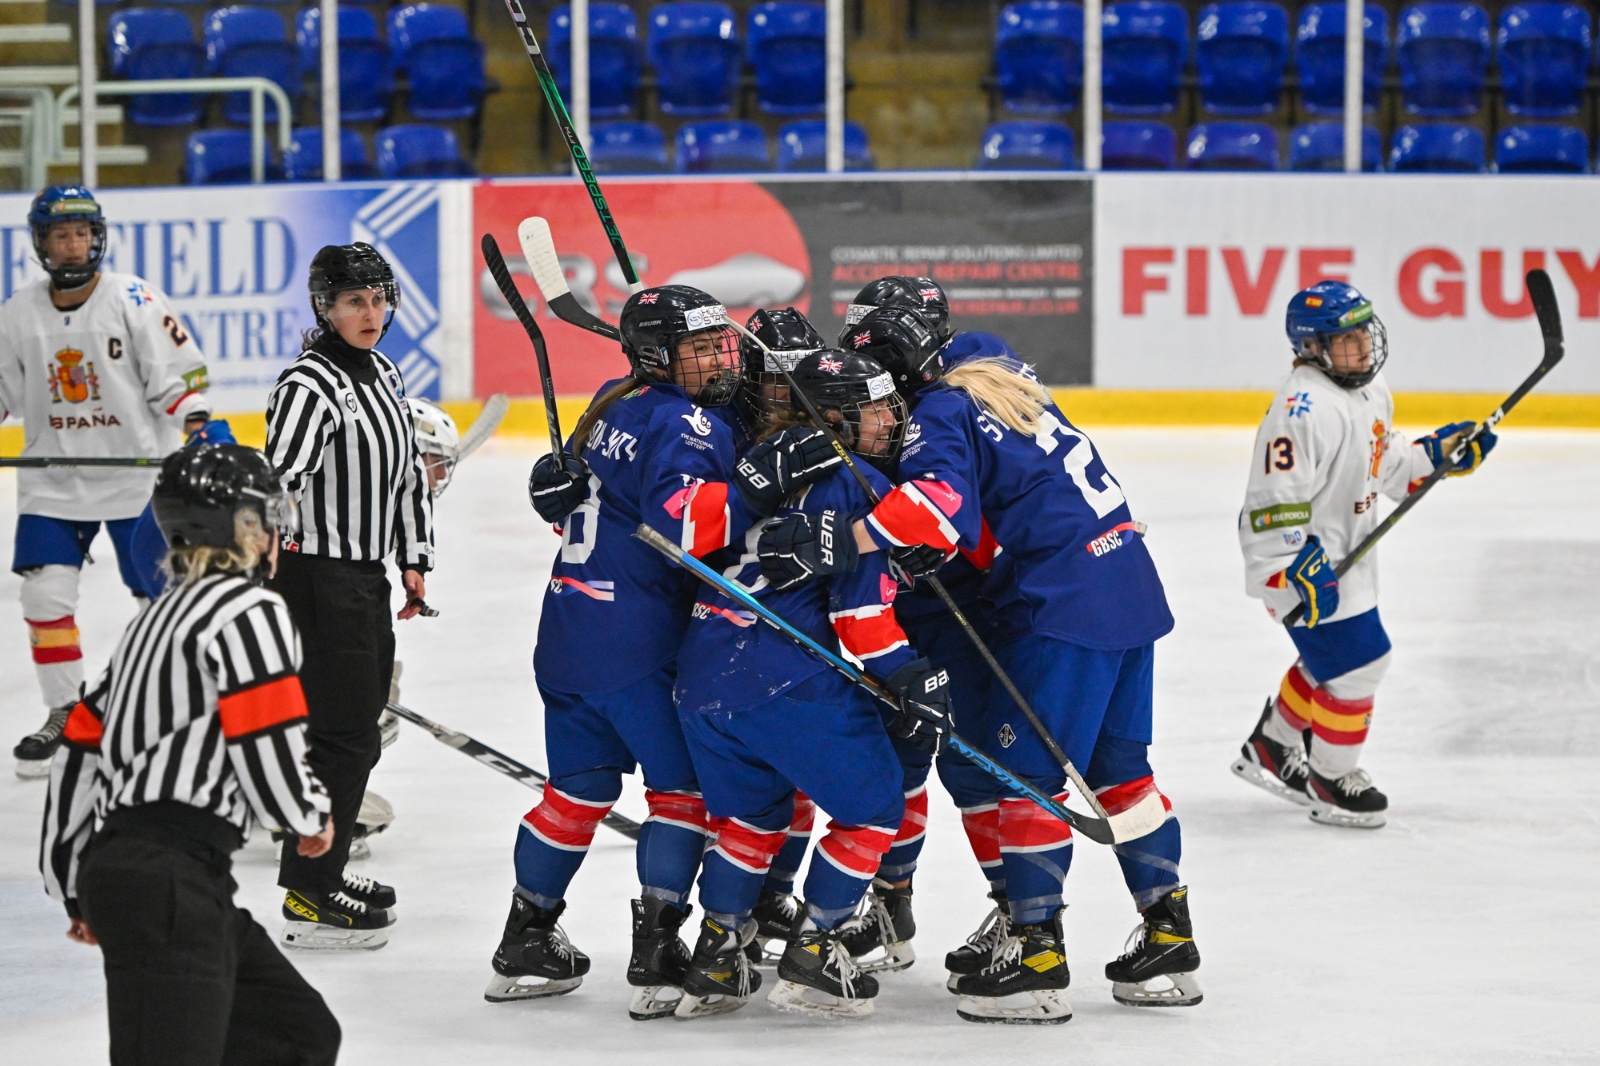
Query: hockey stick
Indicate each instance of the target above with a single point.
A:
(580, 159)
(508, 289)
(501, 763)
(1543, 296)
(32, 462)
(1096, 829)
(539, 249)
(477, 435)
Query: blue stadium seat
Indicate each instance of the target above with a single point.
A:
(1038, 56)
(1232, 146)
(1443, 51)
(366, 80)
(149, 43)
(1544, 58)
(303, 160)
(694, 48)
(412, 24)
(1541, 150)
(722, 147)
(1138, 146)
(1145, 45)
(219, 157)
(1241, 50)
(802, 145)
(628, 148)
(1319, 56)
(1441, 148)
(247, 41)
(787, 42)
(614, 57)
(417, 151)
(1320, 146)
(1027, 144)
(433, 45)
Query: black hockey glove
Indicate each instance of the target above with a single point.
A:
(557, 485)
(916, 561)
(786, 461)
(798, 547)
(924, 694)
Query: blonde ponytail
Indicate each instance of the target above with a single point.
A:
(1002, 391)
(186, 565)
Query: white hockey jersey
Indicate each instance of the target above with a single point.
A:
(1322, 456)
(115, 377)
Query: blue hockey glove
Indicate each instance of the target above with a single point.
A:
(1442, 441)
(557, 485)
(782, 463)
(216, 431)
(924, 694)
(798, 547)
(1312, 577)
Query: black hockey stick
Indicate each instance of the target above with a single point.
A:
(35, 461)
(539, 249)
(508, 288)
(580, 159)
(1543, 295)
(1097, 829)
(502, 763)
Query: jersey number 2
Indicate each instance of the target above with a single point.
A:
(1076, 463)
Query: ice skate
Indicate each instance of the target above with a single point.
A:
(388, 729)
(659, 961)
(1349, 800)
(980, 947)
(1272, 767)
(817, 976)
(1026, 984)
(535, 959)
(879, 938)
(376, 815)
(333, 922)
(720, 977)
(1157, 967)
(35, 751)
(775, 916)
(373, 893)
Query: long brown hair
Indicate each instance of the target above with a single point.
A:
(580, 432)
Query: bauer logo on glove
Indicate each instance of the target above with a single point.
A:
(1441, 444)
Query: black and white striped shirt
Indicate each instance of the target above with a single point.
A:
(200, 705)
(340, 436)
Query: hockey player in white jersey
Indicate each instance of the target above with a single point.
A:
(1325, 451)
(96, 364)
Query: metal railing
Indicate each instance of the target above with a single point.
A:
(39, 132)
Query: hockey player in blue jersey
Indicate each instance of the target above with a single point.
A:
(1077, 619)
(763, 718)
(927, 297)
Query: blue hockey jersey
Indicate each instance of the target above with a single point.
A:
(614, 610)
(1077, 566)
(731, 659)
(974, 344)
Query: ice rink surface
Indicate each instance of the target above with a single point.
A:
(1460, 933)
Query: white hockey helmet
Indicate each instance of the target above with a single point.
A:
(437, 439)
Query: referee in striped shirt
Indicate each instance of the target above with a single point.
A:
(196, 728)
(340, 436)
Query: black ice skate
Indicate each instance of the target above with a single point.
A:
(1276, 768)
(1349, 800)
(535, 959)
(720, 977)
(336, 921)
(817, 976)
(1026, 984)
(34, 751)
(775, 916)
(659, 961)
(980, 947)
(879, 938)
(1157, 968)
(374, 894)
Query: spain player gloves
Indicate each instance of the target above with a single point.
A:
(1313, 579)
(1441, 442)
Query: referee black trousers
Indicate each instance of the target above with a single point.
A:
(192, 980)
(347, 645)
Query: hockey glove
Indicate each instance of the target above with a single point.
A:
(924, 694)
(216, 431)
(912, 562)
(557, 485)
(779, 465)
(798, 547)
(1442, 441)
(1312, 577)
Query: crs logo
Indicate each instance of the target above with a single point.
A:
(698, 422)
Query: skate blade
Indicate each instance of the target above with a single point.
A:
(1170, 990)
(895, 957)
(33, 769)
(309, 936)
(706, 1006)
(359, 849)
(1020, 1008)
(1327, 814)
(503, 989)
(772, 949)
(654, 1001)
(1257, 775)
(802, 999)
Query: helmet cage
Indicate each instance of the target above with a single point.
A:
(1317, 350)
(69, 203)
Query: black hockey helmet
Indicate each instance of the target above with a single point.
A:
(341, 267)
(789, 337)
(656, 320)
(900, 290)
(199, 490)
(902, 342)
(851, 384)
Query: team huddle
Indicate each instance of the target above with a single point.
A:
(908, 497)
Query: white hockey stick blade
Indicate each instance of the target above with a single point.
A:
(539, 249)
(1143, 817)
(483, 427)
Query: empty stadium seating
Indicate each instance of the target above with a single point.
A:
(1241, 50)
(1320, 146)
(366, 78)
(152, 43)
(1443, 53)
(1319, 55)
(250, 41)
(433, 45)
(218, 157)
(628, 148)
(302, 161)
(787, 47)
(1437, 148)
(1544, 54)
(1024, 144)
(1541, 150)
(802, 145)
(1138, 146)
(694, 50)
(1038, 56)
(1232, 146)
(418, 151)
(614, 57)
(1145, 46)
(721, 146)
